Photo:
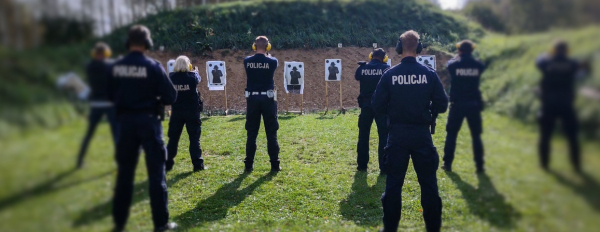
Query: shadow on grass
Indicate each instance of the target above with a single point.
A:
(363, 205)
(216, 206)
(589, 189)
(140, 192)
(46, 188)
(287, 117)
(236, 118)
(486, 202)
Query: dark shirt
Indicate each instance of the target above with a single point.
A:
(408, 92)
(558, 79)
(260, 70)
(187, 94)
(136, 82)
(369, 76)
(465, 72)
(97, 74)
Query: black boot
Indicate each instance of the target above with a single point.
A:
(249, 168)
(166, 227)
(169, 165)
(199, 167)
(275, 167)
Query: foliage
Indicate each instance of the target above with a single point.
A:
(526, 16)
(61, 30)
(302, 24)
(510, 81)
(318, 189)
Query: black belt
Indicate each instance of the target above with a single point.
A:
(257, 93)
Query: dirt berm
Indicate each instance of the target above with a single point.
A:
(314, 88)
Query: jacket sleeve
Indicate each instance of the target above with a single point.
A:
(439, 99)
(381, 97)
(110, 83)
(167, 91)
(357, 74)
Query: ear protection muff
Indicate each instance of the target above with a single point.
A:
(458, 46)
(190, 67)
(268, 46)
(399, 47)
(385, 59)
(107, 53)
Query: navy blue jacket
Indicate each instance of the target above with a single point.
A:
(260, 70)
(187, 94)
(97, 74)
(558, 81)
(408, 92)
(369, 75)
(465, 72)
(135, 83)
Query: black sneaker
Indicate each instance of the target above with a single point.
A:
(168, 226)
(248, 169)
(447, 168)
(275, 168)
(199, 167)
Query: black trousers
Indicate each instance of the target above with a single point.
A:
(365, 120)
(257, 106)
(191, 120)
(547, 120)
(406, 142)
(144, 130)
(94, 118)
(458, 112)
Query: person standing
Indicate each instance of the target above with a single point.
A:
(97, 73)
(139, 86)
(466, 102)
(261, 101)
(409, 93)
(185, 112)
(558, 97)
(369, 74)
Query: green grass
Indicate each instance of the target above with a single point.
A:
(318, 190)
(302, 24)
(511, 78)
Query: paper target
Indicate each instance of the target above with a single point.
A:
(333, 70)
(293, 77)
(389, 62)
(170, 66)
(427, 60)
(216, 75)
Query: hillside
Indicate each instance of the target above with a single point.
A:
(510, 81)
(303, 24)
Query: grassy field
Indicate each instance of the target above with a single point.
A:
(318, 189)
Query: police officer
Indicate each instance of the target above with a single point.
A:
(261, 101)
(369, 75)
(138, 86)
(185, 111)
(97, 71)
(408, 94)
(557, 96)
(466, 102)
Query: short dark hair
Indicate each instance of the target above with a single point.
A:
(560, 47)
(139, 35)
(410, 41)
(379, 53)
(466, 46)
(261, 42)
(101, 48)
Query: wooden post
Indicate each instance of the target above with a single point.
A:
(287, 103)
(341, 104)
(326, 97)
(226, 107)
(301, 104)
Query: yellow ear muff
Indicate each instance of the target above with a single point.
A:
(457, 45)
(268, 47)
(473, 44)
(190, 67)
(385, 59)
(253, 47)
(107, 53)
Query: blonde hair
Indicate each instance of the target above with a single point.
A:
(182, 64)
(410, 41)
